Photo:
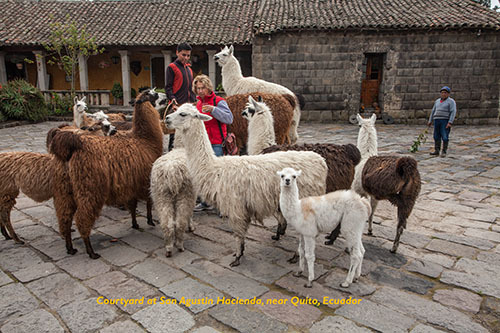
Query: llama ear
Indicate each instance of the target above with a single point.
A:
(299, 172)
(75, 100)
(359, 118)
(260, 98)
(250, 99)
(279, 173)
(231, 49)
(203, 117)
(83, 99)
(373, 118)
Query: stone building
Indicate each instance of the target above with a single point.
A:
(343, 56)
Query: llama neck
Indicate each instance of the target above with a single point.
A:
(290, 203)
(78, 118)
(146, 124)
(260, 133)
(199, 152)
(231, 74)
(367, 142)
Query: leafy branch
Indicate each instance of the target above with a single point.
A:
(421, 139)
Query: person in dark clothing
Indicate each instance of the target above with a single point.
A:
(179, 80)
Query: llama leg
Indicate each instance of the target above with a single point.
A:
(281, 226)
(301, 257)
(373, 204)
(190, 224)
(401, 226)
(240, 229)
(183, 214)
(169, 233)
(85, 218)
(353, 267)
(358, 271)
(6, 218)
(149, 213)
(132, 207)
(65, 209)
(333, 235)
(309, 245)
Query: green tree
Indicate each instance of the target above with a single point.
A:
(66, 42)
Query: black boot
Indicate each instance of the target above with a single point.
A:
(437, 148)
(445, 148)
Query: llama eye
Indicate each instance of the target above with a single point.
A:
(294, 177)
(182, 114)
(282, 176)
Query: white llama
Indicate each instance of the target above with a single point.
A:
(234, 83)
(368, 147)
(312, 215)
(241, 187)
(260, 126)
(79, 112)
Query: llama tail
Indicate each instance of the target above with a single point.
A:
(63, 143)
(301, 99)
(290, 99)
(353, 153)
(406, 166)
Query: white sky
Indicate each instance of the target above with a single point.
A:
(494, 3)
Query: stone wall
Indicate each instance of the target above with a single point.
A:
(327, 68)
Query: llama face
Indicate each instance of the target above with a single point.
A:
(253, 108)
(99, 116)
(80, 105)
(223, 56)
(183, 116)
(148, 95)
(288, 176)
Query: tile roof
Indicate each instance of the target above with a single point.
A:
(276, 15)
(215, 22)
(137, 23)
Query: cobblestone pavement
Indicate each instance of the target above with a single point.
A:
(445, 276)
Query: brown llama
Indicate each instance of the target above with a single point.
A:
(104, 171)
(393, 178)
(32, 174)
(281, 107)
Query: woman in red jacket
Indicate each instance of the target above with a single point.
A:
(217, 108)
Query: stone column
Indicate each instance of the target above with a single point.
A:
(84, 75)
(211, 67)
(41, 69)
(3, 69)
(125, 76)
(167, 59)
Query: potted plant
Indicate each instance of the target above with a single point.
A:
(117, 93)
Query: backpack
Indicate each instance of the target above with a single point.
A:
(229, 146)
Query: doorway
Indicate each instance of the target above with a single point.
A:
(370, 85)
(158, 72)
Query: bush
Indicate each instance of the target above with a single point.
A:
(60, 105)
(117, 90)
(133, 93)
(21, 100)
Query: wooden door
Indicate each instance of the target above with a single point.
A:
(370, 85)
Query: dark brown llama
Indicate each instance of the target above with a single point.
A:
(104, 171)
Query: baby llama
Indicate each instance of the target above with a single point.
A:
(312, 215)
(241, 187)
(234, 83)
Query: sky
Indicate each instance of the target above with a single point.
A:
(494, 3)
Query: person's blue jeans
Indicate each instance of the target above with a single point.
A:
(218, 150)
(440, 130)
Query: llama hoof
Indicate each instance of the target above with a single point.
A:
(328, 236)
(369, 233)
(71, 251)
(190, 229)
(308, 284)
(151, 223)
(168, 254)
(294, 259)
(329, 241)
(344, 285)
(135, 226)
(346, 250)
(297, 274)
(18, 241)
(393, 250)
(94, 256)
(276, 237)
(180, 249)
(235, 263)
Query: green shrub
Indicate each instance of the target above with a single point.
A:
(117, 90)
(60, 105)
(133, 93)
(21, 100)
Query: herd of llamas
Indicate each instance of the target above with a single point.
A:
(103, 159)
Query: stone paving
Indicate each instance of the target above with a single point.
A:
(445, 276)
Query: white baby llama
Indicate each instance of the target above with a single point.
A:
(241, 187)
(312, 215)
(260, 126)
(234, 83)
